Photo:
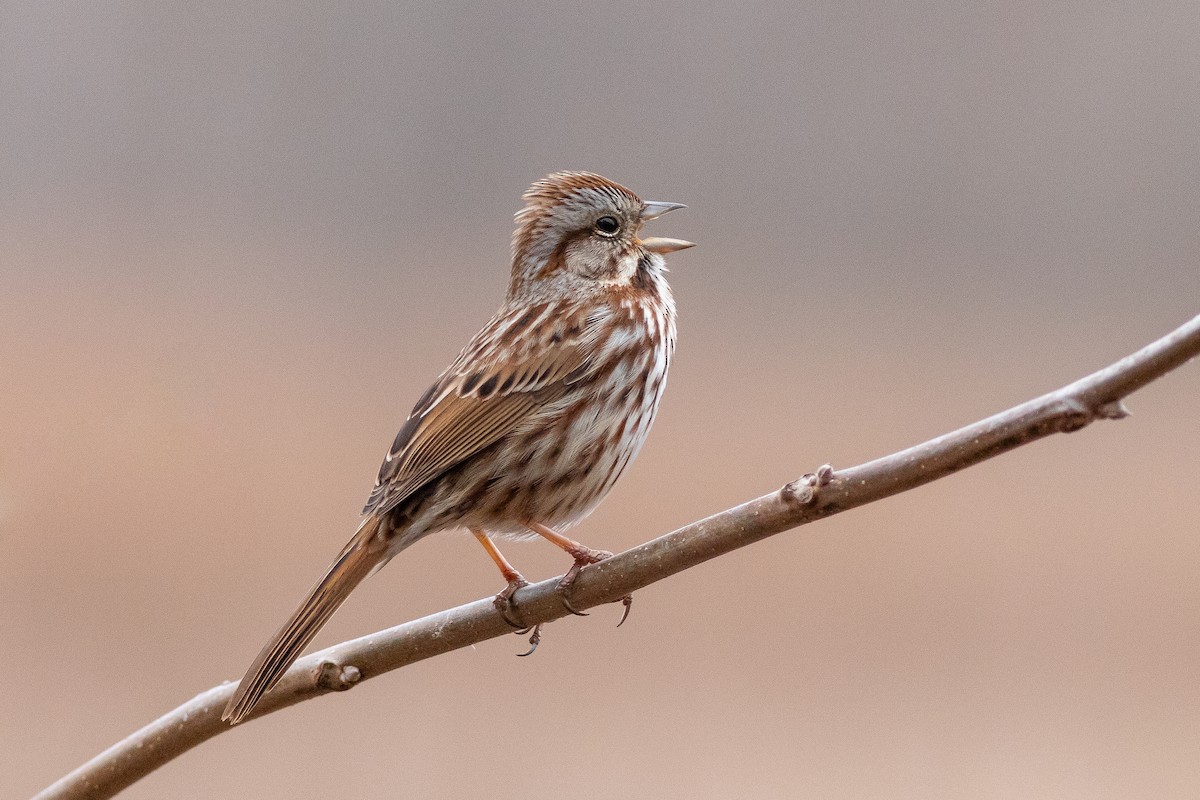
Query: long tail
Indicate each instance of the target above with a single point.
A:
(364, 553)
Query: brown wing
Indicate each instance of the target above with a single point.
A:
(484, 394)
(513, 367)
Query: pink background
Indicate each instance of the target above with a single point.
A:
(235, 246)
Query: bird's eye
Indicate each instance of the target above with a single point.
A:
(608, 225)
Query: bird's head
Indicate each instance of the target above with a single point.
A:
(580, 229)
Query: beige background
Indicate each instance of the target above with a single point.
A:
(235, 246)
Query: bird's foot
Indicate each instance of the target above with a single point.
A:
(626, 601)
(583, 557)
(506, 605)
(534, 640)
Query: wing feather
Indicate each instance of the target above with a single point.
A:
(483, 396)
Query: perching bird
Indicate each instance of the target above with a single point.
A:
(530, 427)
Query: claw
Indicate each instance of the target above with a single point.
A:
(626, 601)
(534, 640)
(562, 598)
(564, 586)
(506, 604)
(583, 557)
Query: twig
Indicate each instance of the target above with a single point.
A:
(809, 498)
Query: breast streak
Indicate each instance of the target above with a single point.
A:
(572, 453)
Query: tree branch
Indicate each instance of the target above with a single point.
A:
(807, 499)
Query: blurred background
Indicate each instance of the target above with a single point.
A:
(237, 243)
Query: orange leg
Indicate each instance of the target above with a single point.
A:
(506, 569)
(504, 602)
(582, 554)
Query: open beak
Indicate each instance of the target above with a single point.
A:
(659, 244)
(654, 209)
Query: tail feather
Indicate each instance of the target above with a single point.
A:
(361, 556)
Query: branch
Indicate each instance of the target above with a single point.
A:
(812, 497)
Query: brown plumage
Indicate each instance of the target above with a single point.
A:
(533, 423)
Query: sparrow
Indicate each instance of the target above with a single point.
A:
(529, 428)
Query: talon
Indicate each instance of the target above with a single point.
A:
(564, 586)
(506, 605)
(626, 601)
(534, 641)
(583, 557)
(562, 598)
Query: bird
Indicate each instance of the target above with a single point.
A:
(530, 426)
